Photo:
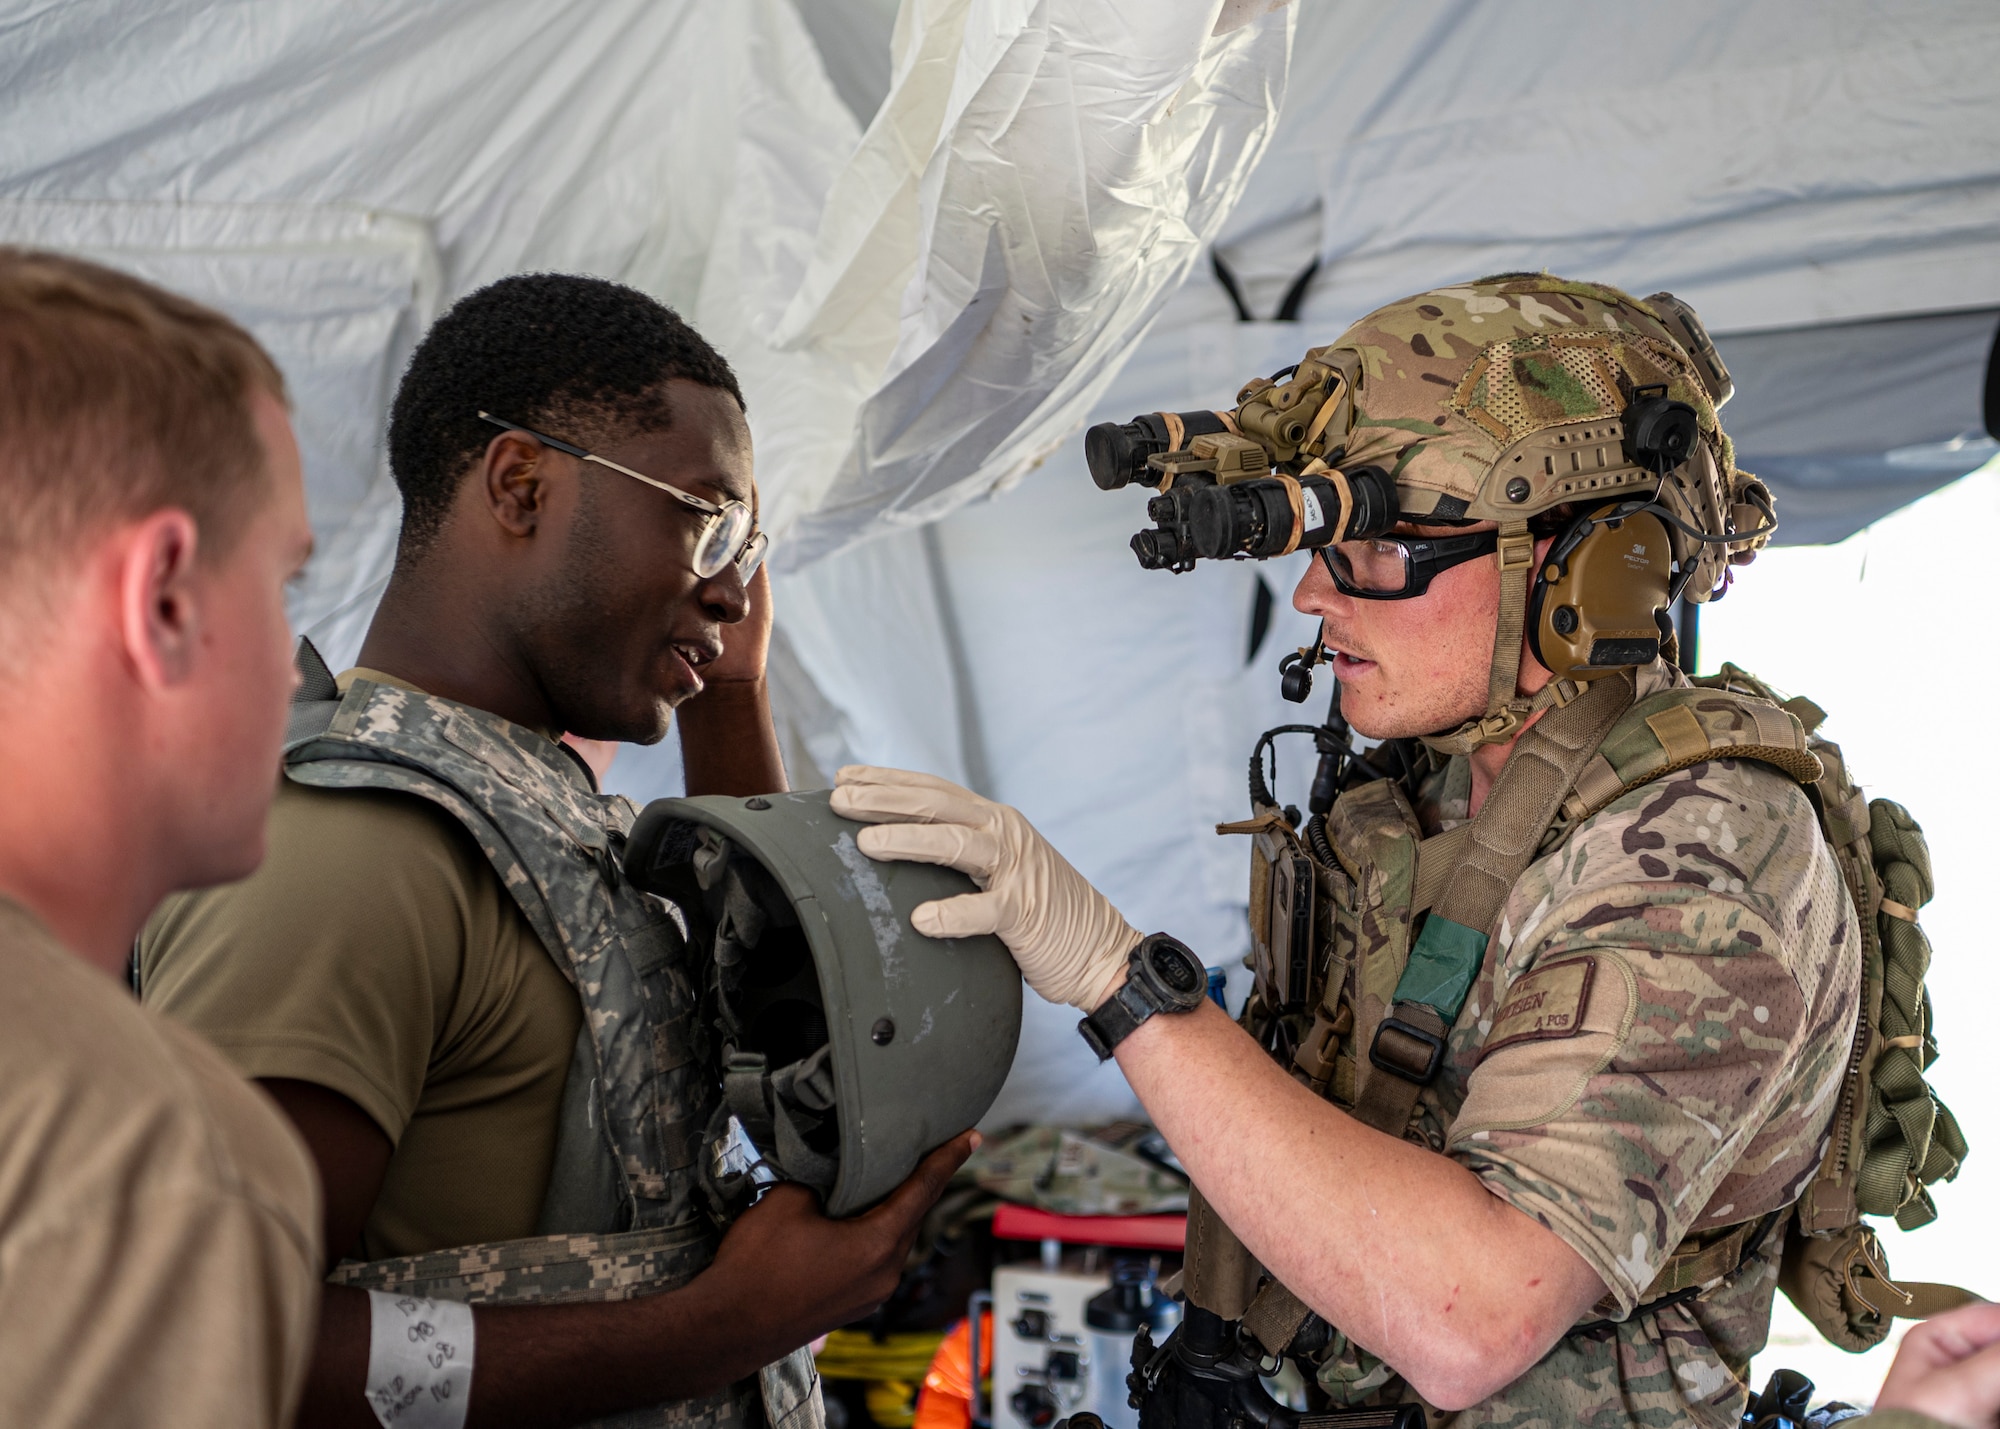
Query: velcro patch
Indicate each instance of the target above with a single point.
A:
(1545, 1004)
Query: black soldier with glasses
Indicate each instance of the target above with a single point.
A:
(491, 1043)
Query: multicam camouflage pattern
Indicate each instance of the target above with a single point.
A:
(557, 846)
(1101, 1172)
(1452, 377)
(1693, 1092)
(1449, 380)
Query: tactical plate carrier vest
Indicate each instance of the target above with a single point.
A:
(1360, 1008)
(624, 1209)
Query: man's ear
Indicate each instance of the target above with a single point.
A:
(513, 482)
(159, 600)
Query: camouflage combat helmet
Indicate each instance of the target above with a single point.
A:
(1507, 400)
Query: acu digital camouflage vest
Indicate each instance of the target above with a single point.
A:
(624, 1211)
(1362, 1011)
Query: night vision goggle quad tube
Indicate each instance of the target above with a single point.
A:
(1220, 497)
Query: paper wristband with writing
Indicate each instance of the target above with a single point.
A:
(419, 1361)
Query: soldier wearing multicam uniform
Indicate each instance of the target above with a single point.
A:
(1697, 922)
(1628, 1013)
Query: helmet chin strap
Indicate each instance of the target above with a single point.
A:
(1506, 713)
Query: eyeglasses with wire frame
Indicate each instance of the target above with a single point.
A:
(728, 532)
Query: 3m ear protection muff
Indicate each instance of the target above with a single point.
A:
(1601, 594)
(1600, 440)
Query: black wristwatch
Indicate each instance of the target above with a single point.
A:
(1162, 976)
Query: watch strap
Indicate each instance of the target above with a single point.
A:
(1138, 998)
(1117, 1018)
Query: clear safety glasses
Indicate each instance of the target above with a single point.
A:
(728, 531)
(1400, 567)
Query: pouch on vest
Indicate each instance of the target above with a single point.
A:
(1891, 1137)
(1287, 913)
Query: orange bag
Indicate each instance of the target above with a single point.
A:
(945, 1401)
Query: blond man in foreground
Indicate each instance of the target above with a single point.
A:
(158, 1219)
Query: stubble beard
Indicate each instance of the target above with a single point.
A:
(1418, 712)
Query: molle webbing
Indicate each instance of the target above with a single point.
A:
(1476, 868)
(1669, 731)
(1570, 764)
(1882, 1154)
(1576, 768)
(1490, 858)
(1678, 728)
(1693, 1266)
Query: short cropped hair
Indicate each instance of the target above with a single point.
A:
(118, 399)
(582, 359)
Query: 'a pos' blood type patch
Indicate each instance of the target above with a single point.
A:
(1545, 1004)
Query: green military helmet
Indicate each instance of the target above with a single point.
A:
(850, 1044)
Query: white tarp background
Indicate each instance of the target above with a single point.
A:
(1879, 630)
(918, 313)
(937, 237)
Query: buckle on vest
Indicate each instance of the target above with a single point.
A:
(1411, 1053)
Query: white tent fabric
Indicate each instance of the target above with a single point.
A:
(1793, 170)
(936, 237)
(918, 313)
(1777, 164)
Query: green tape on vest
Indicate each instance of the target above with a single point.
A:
(1442, 966)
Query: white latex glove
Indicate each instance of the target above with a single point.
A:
(1070, 941)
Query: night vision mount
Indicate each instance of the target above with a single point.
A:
(1249, 484)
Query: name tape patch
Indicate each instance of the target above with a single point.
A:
(1546, 1004)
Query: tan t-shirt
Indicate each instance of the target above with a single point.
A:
(159, 1220)
(376, 953)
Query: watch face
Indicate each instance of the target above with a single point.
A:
(1176, 969)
